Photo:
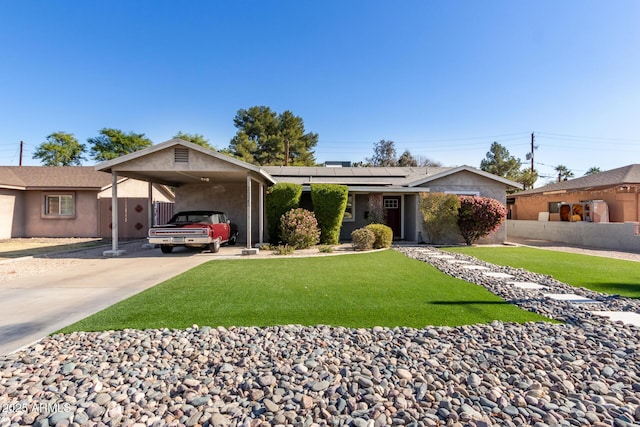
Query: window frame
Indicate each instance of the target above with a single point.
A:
(557, 207)
(351, 199)
(60, 214)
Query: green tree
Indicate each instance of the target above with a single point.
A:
(592, 170)
(384, 154)
(195, 138)
(564, 173)
(527, 178)
(267, 138)
(112, 143)
(499, 162)
(60, 149)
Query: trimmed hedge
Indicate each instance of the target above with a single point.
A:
(383, 235)
(281, 198)
(329, 203)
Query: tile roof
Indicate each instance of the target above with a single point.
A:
(625, 175)
(33, 177)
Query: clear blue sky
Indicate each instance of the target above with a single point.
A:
(443, 79)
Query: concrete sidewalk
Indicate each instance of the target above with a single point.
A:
(39, 304)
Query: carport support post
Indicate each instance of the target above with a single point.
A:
(261, 212)
(114, 219)
(150, 213)
(249, 250)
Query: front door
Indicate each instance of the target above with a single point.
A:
(393, 213)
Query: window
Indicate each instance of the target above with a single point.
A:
(391, 203)
(58, 205)
(554, 207)
(349, 212)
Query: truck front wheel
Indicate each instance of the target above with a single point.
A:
(166, 249)
(215, 246)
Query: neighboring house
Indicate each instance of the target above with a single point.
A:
(618, 188)
(206, 179)
(71, 201)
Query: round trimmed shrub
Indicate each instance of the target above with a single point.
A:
(383, 235)
(299, 228)
(362, 239)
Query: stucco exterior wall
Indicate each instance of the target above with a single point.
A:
(136, 188)
(165, 160)
(229, 198)
(617, 236)
(623, 205)
(361, 202)
(11, 213)
(83, 224)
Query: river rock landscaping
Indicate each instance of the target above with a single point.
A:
(585, 371)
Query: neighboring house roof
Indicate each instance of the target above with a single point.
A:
(405, 178)
(625, 175)
(53, 177)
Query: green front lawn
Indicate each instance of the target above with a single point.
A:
(606, 275)
(360, 290)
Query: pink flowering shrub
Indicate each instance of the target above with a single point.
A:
(299, 228)
(479, 216)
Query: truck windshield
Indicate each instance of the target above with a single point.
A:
(191, 219)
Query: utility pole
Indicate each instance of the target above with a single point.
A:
(20, 161)
(532, 148)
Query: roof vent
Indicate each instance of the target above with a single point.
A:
(181, 155)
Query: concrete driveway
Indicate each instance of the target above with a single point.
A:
(77, 285)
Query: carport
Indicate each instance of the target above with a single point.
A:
(202, 179)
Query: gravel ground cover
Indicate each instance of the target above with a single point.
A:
(583, 372)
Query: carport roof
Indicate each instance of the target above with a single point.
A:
(177, 177)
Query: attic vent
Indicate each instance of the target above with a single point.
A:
(181, 155)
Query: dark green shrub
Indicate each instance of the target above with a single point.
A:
(327, 249)
(299, 228)
(383, 235)
(439, 215)
(281, 198)
(362, 239)
(329, 202)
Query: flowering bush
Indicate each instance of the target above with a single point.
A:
(479, 216)
(383, 234)
(299, 228)
(362, 239)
